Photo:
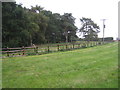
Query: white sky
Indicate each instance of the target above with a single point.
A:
(94, 9)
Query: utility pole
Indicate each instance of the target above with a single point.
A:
(103, 28)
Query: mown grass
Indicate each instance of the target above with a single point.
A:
(95, 67)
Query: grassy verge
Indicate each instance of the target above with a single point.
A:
(95, 67)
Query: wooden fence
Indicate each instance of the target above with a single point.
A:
(35, 50)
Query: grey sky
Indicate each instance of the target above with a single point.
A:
(94, 9)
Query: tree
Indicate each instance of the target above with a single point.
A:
(40, 22)
(68, 24)
(24, 26)
(54, 29)
(89, 29)
(13, 23)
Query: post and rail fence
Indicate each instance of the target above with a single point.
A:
(35, 50)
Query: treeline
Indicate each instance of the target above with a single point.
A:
(23, 27)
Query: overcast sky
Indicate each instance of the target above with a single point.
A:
(94, 9)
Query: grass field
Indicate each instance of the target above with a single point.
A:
(94, 67)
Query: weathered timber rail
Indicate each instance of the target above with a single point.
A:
(37, 50)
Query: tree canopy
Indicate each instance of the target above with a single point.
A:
(89, 29)
(23, 26)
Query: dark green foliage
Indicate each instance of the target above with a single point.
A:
(14, 23)
(23, 26)
(68, 26)
(89, 29)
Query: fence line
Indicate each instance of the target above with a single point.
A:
(21, 51)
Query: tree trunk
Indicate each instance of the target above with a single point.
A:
(66, 37)
(31, 40)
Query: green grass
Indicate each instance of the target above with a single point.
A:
(94, 67)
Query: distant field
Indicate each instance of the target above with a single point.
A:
(93, 67)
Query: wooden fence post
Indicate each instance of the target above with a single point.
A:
(58, 47)
(36, 50)
(23, 50)
(73, 46)
(48, 49)
(7, 52)
(66, 47)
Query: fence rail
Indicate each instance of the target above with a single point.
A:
(21, 51)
